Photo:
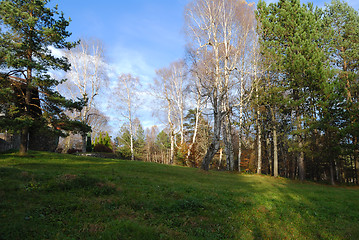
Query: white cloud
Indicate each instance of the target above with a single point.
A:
(56, 52)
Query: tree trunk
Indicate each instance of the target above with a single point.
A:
(275, 152)
(220, 158)
(269, 150)
(332, 181)
(301, 165)
(227, 130)
(172, 152)
(194, 134)
(84, 138)
(259, 145)
(214, 146)
(356, 160)
(24, 136)
(240, 129)
(275, 144)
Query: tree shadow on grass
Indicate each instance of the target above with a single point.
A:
(305, 211)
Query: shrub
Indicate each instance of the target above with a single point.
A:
(102, 148)
(88, 144)
(59, 150)
(73, 150)
(124, 152)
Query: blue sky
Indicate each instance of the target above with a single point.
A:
(139, 36)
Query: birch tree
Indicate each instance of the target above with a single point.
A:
(86, 78)
(127, 101)
(214, 30)
(196, 91)
(170, 90)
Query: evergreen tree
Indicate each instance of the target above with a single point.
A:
(291, 32)
(123, 141)
(29, 30)
(163, 141)
(342, 23)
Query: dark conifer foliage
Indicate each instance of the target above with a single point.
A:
(311, 57)
(28, 30)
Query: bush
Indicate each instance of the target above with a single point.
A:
(124, 152)
(73, 150)
(59, 150)
(88, 144)
(102, 148)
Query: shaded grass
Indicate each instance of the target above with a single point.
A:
(54, 196)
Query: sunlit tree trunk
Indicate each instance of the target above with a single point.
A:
(275, 143)
(259, 138)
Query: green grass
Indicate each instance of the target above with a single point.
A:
(53, 196)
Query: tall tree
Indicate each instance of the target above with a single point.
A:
(342, 25)
(123, 140)
(291, 32)
(86, 78)
(127, 100)
(29, 29)
(169, 89)
(215, 41)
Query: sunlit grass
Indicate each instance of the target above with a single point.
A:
(54, 196)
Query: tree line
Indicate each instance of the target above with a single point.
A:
(271, 89)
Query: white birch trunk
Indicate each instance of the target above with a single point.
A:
(240, 125)
(259, 141)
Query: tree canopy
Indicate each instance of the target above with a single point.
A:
(29, 31)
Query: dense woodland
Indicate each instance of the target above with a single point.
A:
(267, 88)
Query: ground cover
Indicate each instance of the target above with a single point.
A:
(58, 196)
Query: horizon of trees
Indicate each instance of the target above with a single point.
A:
(269, 89)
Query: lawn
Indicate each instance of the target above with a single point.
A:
(55, 196)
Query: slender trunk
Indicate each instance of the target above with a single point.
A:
(275, 152)
(194, 134)
(239, 155)
(172, 138)
(131, 139)
(84, 134)
(332, 181)
(24, 136)
(181, 125)
(275, 143)
(132, 151)
(214, 146)
(24, 140)
(227, 137)
(240, 126)
(220, 158)
(229, 165)
(84, 138)
(172, 152)
(259, 141)
(269, 150)
(356, 165)
(356, 160)
(301, 164)
(259, 151)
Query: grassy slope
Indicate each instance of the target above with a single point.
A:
(53, 196)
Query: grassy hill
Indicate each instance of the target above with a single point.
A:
(54, 196)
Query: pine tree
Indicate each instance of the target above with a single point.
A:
(342, 23)
(29, 30)
(291, 33)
